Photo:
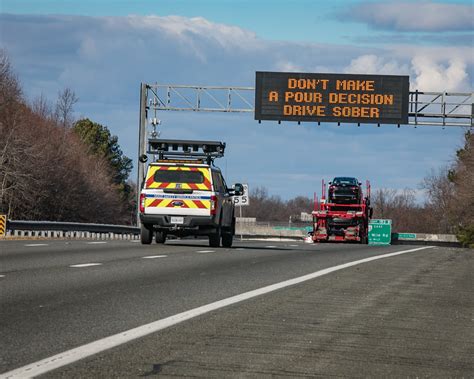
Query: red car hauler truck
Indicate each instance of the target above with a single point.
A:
(344, 215)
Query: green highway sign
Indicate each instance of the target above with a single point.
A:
(380, 232)
(406, 236)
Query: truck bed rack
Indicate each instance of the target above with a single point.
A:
(186, 149)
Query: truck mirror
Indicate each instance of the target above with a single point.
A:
(238, 189)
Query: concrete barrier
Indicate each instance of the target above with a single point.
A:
(259, 231)
(425, 239)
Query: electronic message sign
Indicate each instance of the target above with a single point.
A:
(285, 96)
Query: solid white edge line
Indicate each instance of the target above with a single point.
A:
(96, 242)
(81, 352)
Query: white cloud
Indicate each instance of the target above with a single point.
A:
(287, 66)
(372, 64)
(433, 76)
(427, 72)
(413, 16)
(227, 36)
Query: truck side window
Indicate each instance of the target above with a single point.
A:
(218, 185)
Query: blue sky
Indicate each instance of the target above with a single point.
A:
(104, 49)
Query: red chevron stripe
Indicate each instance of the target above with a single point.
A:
(155, 202)
(199, 204)
(150, 181)
(207, 183)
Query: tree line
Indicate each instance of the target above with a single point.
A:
(55, 168)
(447, 209)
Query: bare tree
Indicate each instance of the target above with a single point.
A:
(42, 107)
(440, 196)
(10, 90)
(64, 107)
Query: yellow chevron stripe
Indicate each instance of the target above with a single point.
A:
(190, 204)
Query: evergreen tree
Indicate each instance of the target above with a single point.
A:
(104, 144)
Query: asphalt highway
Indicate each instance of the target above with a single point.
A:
(404, 315)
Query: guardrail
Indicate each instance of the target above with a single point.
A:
(53, 229)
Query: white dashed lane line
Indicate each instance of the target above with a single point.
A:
(270, 247)
(85, 265)
(293, 245)
(36, 244)
(2, 276)
(96, 243)
(154, 256)
(204, 251)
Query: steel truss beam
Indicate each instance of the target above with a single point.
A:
(425, 108)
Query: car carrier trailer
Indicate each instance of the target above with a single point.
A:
(341, 222)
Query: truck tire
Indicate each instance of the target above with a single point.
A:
(146, 235)
(228, 235)
(160, 237)
(215, 238)
(227, 239)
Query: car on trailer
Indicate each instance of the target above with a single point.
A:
(343, 189)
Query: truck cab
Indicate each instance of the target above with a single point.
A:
(185, 194)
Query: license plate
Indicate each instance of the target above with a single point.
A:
(177, 220)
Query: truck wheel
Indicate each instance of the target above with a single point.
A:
(146, 235)
(228, 234)
(215, 238)
(160, 237)
(227, 239)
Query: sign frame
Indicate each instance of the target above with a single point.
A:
(313, 93)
